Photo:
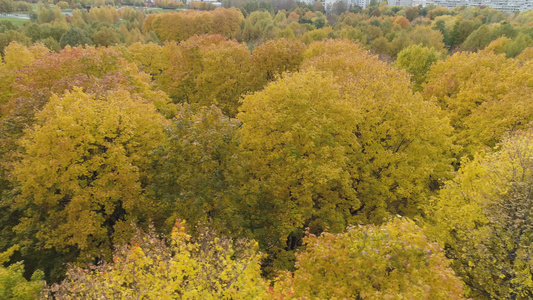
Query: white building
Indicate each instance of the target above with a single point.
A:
(503, 5)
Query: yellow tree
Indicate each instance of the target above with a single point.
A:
(208, 267)
(206, 70)
(16, 56)
(148, 57)
(296, 140)
(97, 71)
(404, 140)
(180, 26)
(228, 22)
(483, 218)
(83, 171)
(484, 95)
(273, 58)
(391, 261)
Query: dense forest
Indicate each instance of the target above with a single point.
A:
(266, 151)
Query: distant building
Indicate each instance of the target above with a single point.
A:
(503, 5)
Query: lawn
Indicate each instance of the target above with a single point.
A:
(16, 21)
(159, 10)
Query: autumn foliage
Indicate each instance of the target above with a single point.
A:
(313, 153)
(178, 268)
(370, 262)
(183, 25)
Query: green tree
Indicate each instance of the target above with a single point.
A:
(13, 285)
(193, 171)
(258, 27)
(427, 37)
(483, 218)
(417, 60)
(518, 44)
(106, 36)
(411, 13)
(75, 37)
(461, 30)
(7, 6)
(478, 40)
(12, 36)
(440, 25)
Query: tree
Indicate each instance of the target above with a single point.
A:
(206, 70)
(339, 7)
(106, 36)
(517, 45)
(405, 145)
(391, 261)
(296, 138)
(6, 25)
(98, 71)
(12, 36)
(427, 37)
(193, 172)
(478, 40)
(318, 6)
(16, 56)
(380, 46)
(209, 267)
(483, 218)
(411, 13)
(527, 54)
(259, 27)
(149, 58)
(273, 58)
(183, 25)
(484, 98)
(75, 37)
(12, 283)
(402, 21)
(498, 45)
(440, 25)
(169, 4)
(7, 6)
(417, 60)
(461, 30)
(83, 171)
(228, 22)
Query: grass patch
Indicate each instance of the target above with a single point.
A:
(159, 10)
(16, 21)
